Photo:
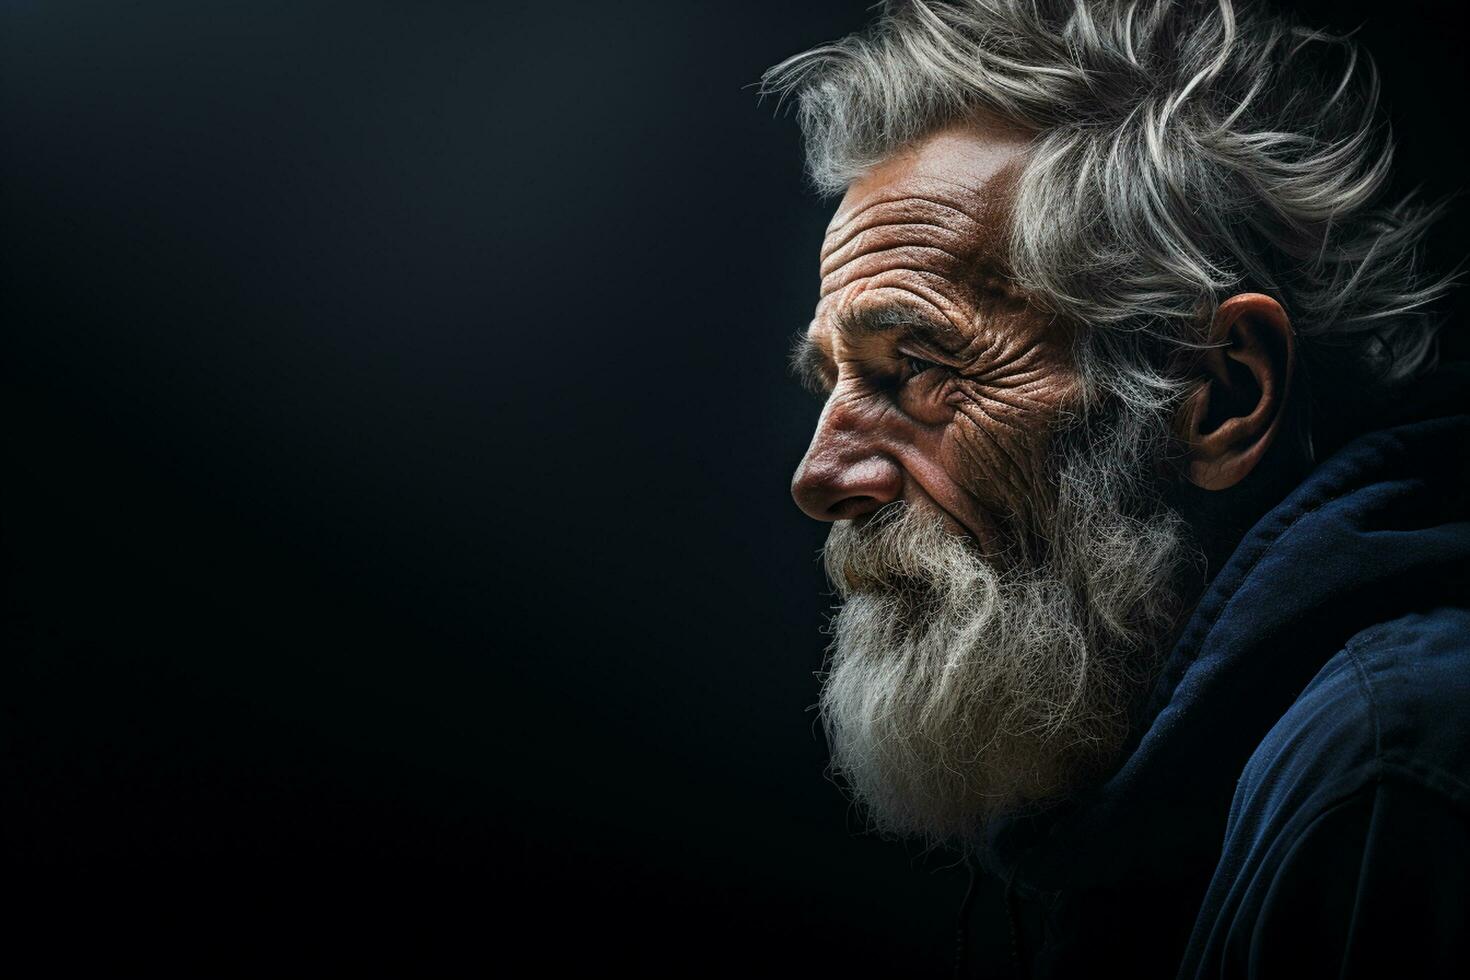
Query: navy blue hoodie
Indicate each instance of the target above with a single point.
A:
(1298, 801)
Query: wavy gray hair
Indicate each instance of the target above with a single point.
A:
(1184, 150)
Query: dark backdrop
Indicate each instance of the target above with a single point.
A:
(399, 564)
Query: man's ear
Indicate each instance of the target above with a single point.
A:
(1230, 421)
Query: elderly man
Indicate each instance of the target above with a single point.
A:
(1149, 512)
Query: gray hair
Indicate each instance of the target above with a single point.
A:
(1183, 151)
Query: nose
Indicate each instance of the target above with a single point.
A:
(844, 475)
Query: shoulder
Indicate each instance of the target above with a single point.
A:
(1347, 816)
(1391, 707)
(1372, 884)
(1393, 703)
(1415, 671)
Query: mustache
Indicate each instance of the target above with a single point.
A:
(897, 550)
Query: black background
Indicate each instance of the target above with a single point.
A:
(399, 566)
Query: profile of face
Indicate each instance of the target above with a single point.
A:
(1048, 417)
(942, 381)
(1006, 569)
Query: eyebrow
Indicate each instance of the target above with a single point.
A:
(809, 364)
(878, 320)
(812, 366)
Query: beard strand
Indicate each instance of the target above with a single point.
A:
(957, 689)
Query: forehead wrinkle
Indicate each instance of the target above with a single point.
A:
(920, 261)
(958, 240)
(969, 200)
(947, 180)
(888, 236)
(921, 237)
(911, 209)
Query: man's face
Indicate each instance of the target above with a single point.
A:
(942, 382)
(1006, 571)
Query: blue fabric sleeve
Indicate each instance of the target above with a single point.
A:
(1374, 886)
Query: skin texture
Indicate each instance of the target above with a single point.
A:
(942, 381)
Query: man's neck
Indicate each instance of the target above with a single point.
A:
(1219, 519)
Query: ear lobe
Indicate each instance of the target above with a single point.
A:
(1230, 421)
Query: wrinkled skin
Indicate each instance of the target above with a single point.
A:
(942, 382)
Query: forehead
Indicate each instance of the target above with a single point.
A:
(973, 162)
(925, 228)
(957, 180)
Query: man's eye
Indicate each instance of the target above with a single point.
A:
(917, 366)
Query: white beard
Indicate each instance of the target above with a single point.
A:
(956, 691)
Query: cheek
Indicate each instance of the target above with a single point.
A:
(999, 452)
(989, 448)
(929, 403)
